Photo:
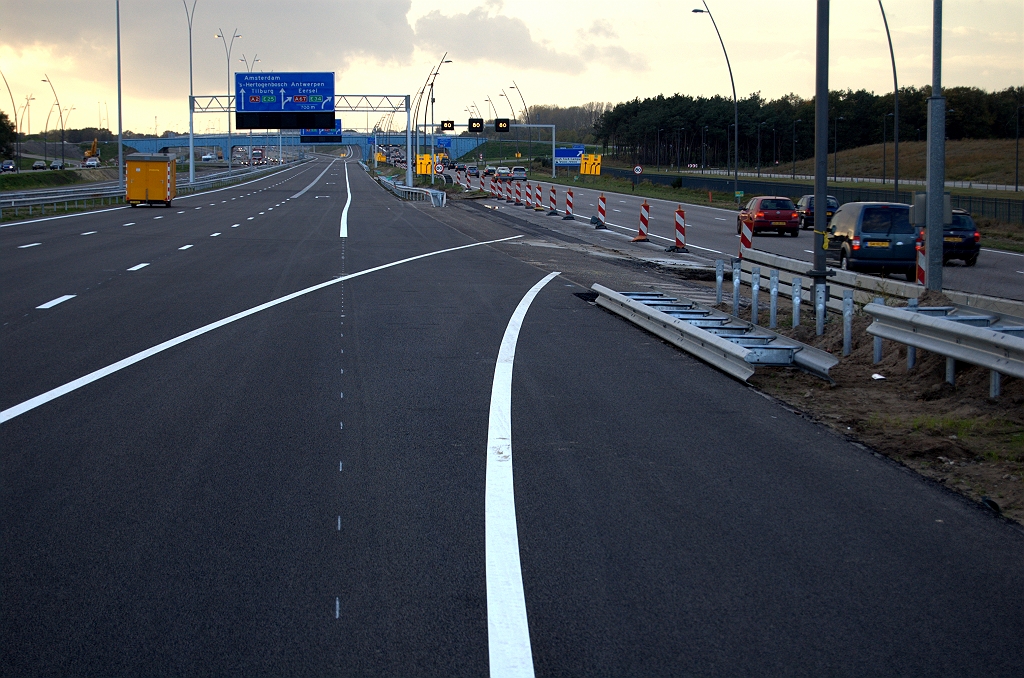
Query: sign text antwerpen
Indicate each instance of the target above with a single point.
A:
(259, 92)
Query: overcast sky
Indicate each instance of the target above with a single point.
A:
(559, 52)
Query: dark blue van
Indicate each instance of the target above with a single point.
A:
(874, 237)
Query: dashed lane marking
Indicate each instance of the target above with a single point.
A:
(185, 247)
(214, 235)
(58, 300)
(138, 266)
(90, 232)
(31, 244)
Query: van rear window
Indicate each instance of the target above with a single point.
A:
(886, 221)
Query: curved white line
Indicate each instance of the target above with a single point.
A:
(314, 181)
(508, 635)
(348, 201)
(53, 394)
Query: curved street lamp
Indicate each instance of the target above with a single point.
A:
(895, 113)
(60, 114)
(735, 103)
(794, 145)
(529, 121)
(227, 55)
(191, 103)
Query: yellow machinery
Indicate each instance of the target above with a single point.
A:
(151, 179)
(94, 151)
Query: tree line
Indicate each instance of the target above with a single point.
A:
(690, 130)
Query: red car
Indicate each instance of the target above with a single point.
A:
(770, 213)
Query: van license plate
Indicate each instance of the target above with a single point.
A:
(878, 243)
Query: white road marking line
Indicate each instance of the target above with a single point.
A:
(214, 235)
(508, 634)
(615, 210)
(262, 213)
(235, 225)
(622, 201)
(199, 208)
(213, 204)
(270, 209)
(76, 384)
(185, 247)
(337, 608)
(90, 232)
(348, 201)
(720, 219)
(62, 216)
(162, 217)
(250, 218)
(314, 181)
(809, 251)
(58, 300)
(31, 244)
(1012, 254)
(138, 266)
(130, 223)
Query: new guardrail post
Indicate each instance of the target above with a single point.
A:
(773, 288)
(819, 309)
(847, 321)
(719, 276)
(951, 371)
(878, 340)
(797, 293)
(736, 287)
(993, 384)
(755, 291)
(911, 350)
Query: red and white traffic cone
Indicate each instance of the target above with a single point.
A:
(538, 198)
(553, 202)
(645, 218)
(680, 245)
(568, 206)
(492, 189)
(922, 260)
(746, 237)
(529, 196)
(508, 192)
(601, 220)
(482, 184)
(519, 194)
(458, 177)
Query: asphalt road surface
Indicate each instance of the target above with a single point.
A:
(237, 442)
(711, 231)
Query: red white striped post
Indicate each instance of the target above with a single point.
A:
(538, 198)
(602, 211)
(922, 260)
(645, 218)
(519, 194)
(680, 245)
(746, 237)
(482, 189)
(458, 177)
(467, 184)
(553, 202)
(568, 206)
(529, 196)
(491, 188)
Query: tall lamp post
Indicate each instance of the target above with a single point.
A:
(735, 104)
(227, 55)
(895, 114)
(120, 146)
(248, 69)
(759, 148)
(60, 114)
(191, 95)
(885, 119)
(794, 145)
(17, 137)
(437, 71)
(514, 121)
(1016, 156)
(835, 148)
(529, 121)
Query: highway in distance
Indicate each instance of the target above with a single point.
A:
(272, 430)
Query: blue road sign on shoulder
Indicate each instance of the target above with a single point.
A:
(369, 140)
(324, 132)
(568, 157)
(257, 92)
(579, 147)
(443, 142)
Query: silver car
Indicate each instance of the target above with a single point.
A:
(518, 173)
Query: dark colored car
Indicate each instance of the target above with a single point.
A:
(769, 213)
(38, 164)
(8, 166)
(57, 165)
(961, 239)
(873, 237)
(460, 167)
(805, 208)
(473, 171)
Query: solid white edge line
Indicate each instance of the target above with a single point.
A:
(76, 384)
(58, 300)
(348, 201)
(508, 634)
(314, 181)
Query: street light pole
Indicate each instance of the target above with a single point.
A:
(227, 55)
(935, 175)
(794, 146)
(835, 148)
(1016, 156)
(885, 119)
(529, 121)
(17, 137)
(60, 115)
(735, 104)
(895, 114)
(514, 121)
(120, 146)
(818, 274)
(191, 97)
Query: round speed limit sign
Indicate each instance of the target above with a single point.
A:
(438, 168)
(638, 170)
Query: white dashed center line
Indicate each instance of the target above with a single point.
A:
(181, 211)
(89, 232)
(720, 219)
(31, 244)
(58, 300)
(250, 218)
(158, 217)
(130, 223)
(185, 247)
(138, 266)
(214, 235)
(235, 225)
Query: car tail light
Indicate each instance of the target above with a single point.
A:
(759, 215)
(794, 215)
(855, 243)
(977, 237)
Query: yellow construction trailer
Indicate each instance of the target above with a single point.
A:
(151, 179)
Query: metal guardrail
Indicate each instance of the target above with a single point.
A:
(436, 198)
(993, 342)
(726, 342)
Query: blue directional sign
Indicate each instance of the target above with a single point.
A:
(369, 140)
(322, 132)
(277, 92)
(568, 157)
(443, 142)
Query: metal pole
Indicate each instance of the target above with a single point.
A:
(1016, 156)
(553, 170)
(885, 119)
(773, 290)
(60, 117)
(719, 276)
(191, 98)
(735, 105)
(847, 321)
(794, 147)
(755, 293)
(408, 141)
(736, 287)
(936, 168)
(796, 292)
(896, 113)
(911, 350)
(17, 137)
(821, 140)
(120, 147)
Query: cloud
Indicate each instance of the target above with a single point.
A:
(599, 29)
(480, 36)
